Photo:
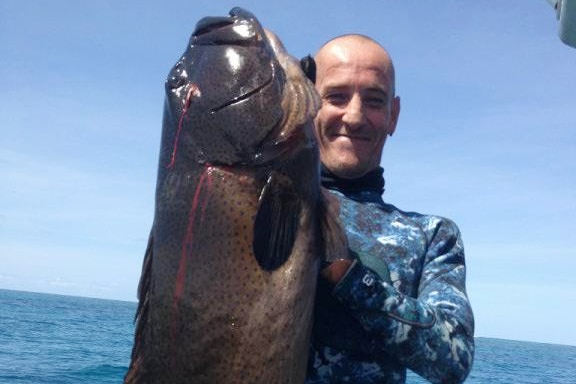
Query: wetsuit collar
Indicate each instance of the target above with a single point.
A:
(367, 188)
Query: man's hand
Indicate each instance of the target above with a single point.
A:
(336, 270)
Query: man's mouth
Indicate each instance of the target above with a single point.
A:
(350, 137)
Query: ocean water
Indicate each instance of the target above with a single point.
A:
(57, 339)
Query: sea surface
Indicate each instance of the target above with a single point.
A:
(56, 339)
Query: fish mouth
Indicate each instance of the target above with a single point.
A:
(227, 91)
(239, 28)
(243, 97)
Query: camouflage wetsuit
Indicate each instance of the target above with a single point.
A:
(401, 305)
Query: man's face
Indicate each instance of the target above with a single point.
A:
(359, 110)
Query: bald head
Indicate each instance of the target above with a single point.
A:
(353, 47)
(355, 80)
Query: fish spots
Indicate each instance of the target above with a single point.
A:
(234, 324)
(199, 202)
(209, 313)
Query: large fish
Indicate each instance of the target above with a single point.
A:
(229, 275)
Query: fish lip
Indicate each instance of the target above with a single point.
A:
(209, 24)
(239, 28)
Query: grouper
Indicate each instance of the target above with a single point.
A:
(241, 225)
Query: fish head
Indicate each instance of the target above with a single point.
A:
(225, 97)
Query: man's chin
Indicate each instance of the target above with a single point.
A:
(348, 170)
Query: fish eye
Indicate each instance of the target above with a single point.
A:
(177, 77)
(176, 81)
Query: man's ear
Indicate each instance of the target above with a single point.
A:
(394, 114)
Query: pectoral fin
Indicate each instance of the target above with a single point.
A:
(276, 222)
(334, 242)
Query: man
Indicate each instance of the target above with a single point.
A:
(401, 303)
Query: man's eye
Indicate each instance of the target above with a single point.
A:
(336, 98)
(375, 102)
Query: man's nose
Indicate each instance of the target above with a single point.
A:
(354, 113)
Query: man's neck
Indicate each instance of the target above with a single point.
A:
(368, 187)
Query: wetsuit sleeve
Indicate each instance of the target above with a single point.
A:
(431, 334)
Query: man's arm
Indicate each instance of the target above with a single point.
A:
(431, 334)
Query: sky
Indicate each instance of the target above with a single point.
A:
(486, 137)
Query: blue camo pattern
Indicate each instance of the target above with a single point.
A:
(402, 304)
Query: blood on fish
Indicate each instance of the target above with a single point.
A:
(193, 91)
(199, 201)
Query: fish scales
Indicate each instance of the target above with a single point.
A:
(229, 275)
